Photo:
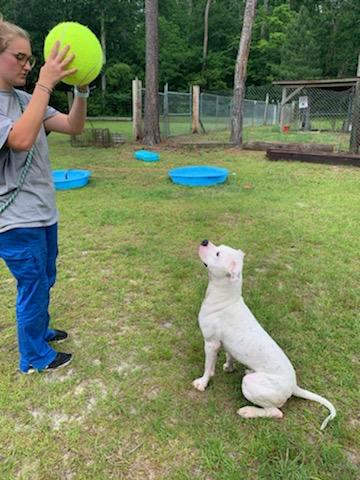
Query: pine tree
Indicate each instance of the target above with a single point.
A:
(300, 53)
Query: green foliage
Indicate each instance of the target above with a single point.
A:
(213, 77)
(59, 100)
(291, 40)
(110, 103)
(119, 77)
(300, 52)
(174, 54)
(265, 52)
(338, 35)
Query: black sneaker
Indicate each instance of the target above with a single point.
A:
(61, 360)
(59, 336)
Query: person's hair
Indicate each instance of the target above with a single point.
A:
(9, 31)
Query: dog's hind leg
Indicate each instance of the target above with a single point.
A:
(229, 364)
(268, 391)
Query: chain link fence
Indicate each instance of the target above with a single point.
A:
(215, 112)
(316, 109)
(313, 114)
(175, 110)
(309, 115)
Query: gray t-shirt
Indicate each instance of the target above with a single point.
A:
(35, 204)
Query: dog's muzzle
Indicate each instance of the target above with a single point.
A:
(204, 243)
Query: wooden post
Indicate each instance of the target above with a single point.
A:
(137, 109)
(347, 121)
(195, 109)
(275, 113)
(266, 109)
(278, 112)
(293, 108)
(282, 108)
(166, 111)
(355, 122)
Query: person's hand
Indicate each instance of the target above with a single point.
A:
(54, 69)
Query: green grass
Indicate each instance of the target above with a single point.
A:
(216, 132)
(339, 140)
(115, 126)
(129, 288)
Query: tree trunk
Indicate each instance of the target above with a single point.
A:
(206, 31)
(263, 33)
(190, 10)
(355, 122)
(151, 113)
(103, 45)
(236, 136)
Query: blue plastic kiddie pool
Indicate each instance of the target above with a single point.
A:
(146, 156)
(198, 176)
(67, 179)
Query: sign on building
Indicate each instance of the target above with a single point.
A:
(303, 102)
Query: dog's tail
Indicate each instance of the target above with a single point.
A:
(300, 392)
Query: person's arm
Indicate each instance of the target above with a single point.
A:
(25, 130)
(72, 123)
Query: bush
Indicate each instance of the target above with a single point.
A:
(59, 101)
(110, 104)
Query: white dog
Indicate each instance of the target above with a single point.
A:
(226, 321)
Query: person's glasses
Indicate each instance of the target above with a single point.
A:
(22, 58)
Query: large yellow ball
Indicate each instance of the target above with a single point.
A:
(84, 44)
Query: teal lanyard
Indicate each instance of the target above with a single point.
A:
(24, 172)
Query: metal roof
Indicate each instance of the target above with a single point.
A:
(327, 83)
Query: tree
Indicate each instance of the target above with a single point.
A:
(264, 57)
(174, 58)
(103, 45)
(206, 31)
(338, 35)
(151, 113)
(300, 53)
(263, 33)
(240, 74)
(285, 43)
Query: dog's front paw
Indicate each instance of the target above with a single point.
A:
(200, 384)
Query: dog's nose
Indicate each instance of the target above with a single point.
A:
(204, 243)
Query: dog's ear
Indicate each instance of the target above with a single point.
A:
(236, 267)
(235, 270)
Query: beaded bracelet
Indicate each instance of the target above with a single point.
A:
(44, 88)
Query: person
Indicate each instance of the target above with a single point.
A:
(28, 215)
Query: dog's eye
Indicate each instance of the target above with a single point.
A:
(217, 254)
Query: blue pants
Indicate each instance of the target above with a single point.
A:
(30, 254)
